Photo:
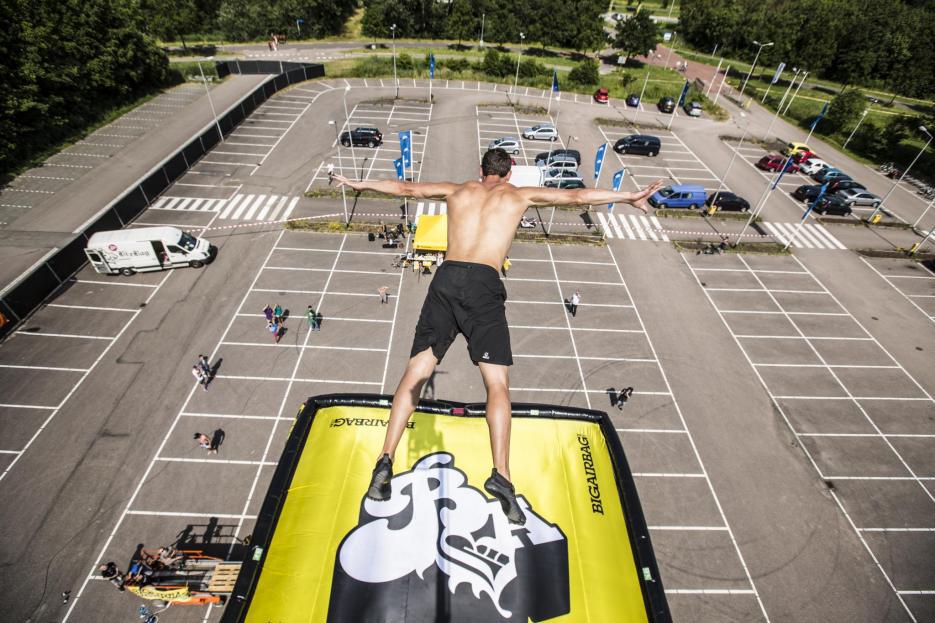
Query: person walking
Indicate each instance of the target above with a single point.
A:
(204, 442)
(506, 266)
(312, 317)
(623, 397)
(467, 296)
(573, 303)
(275, 330)
(205, 364)
(277, 314)
(199, 374)
(384, 295)
(268, 312)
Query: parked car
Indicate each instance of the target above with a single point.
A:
(666, 105)
(728, 201)
(601, 96)
(774, 162)
(565, 183)
(542, 157)
(641, 144)
(693, 109)
(560, 174)
(807, 192)
(829, 174)
(509, 144)
(793, 148)
(838, 185)
(362, 137)
(633, 100)
(832, 204)
(802, 156)
(679, 196)
(813, 165)
(566, 163)
(542, 132)
(859, 197)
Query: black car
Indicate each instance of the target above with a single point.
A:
(666, 104)
(638, 144)
(565, 183)
(839, 185)
(833, 205)
(807, 192)
(565, 153)
(728, 201)
(362, 137)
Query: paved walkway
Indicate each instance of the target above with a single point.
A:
(42, 208)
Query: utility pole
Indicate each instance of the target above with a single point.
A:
(854, 131)
(755, 58)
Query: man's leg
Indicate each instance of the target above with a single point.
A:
(418, 371)
(497, 381)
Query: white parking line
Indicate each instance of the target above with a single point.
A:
(895, 287)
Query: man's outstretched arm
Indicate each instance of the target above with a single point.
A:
(419, 190)
(588, 196)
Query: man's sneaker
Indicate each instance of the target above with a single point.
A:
(380, 481)
(502, 489)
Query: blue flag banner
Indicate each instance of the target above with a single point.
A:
(778, 73)
(405, 147)
(599, 160)
(820, 116)
(554, 81)
(615, 184)
(431, 66)
(821, 193)
(785, 169)
(684, 93)
(398, 163)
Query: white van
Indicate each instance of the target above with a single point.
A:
(127, 251)
(524, 176)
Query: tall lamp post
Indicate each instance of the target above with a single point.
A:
(522, 38)
(795, 93)
(795, 73)
(210, 101)
(905, 173)
(395, 77)
(755, 58)
(854, 131)
(483, 18)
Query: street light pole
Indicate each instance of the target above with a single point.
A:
(755, 58)
(675, 34)
(337, 140)
(792, 99)
(721, 85)
(854, 131)
(905, 173)
(395, 77)
(733, 157)
(483, 18)
(350, 137)
(210, 101)
(924, 212)
(522, 38)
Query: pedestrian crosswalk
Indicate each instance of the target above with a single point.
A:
(809, 236)
(258, 207)
(631, 226)
(430, 208)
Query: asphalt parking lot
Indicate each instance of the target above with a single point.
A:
(797, 486)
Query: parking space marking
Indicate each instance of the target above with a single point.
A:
(314, 346)
(49, 368)
(856, 400)
(181, 459)
(90, 307)
(173, 514)
(66, 335)
(908, 297)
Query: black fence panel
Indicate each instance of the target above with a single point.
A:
(131, 205)
(155, 184)
(193, 151)
(249, 67)
(280, 82)
(175, 167)
(210, 138)
(31, 291)
(234, 117)
(295, 75)
(267, 67)
(107, 222)
(223, 69)
(69, 258)
(9, 319)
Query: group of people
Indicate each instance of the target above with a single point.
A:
(203, 372)
(142, 569)
(391, 234)
(276, 320)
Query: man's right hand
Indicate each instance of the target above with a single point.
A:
(638, 200)
(340, 179)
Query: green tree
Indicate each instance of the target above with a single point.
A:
(462, 23)
(585, 72)
(171, 19)
(636, 35)
(845, 110)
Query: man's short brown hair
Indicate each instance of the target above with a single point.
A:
(496, 162)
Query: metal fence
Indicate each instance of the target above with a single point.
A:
(28, 291)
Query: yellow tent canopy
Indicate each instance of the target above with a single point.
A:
(431, 233)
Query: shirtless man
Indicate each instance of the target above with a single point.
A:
(466, 296)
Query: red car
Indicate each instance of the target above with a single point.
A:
(601, 96)
(774, 162)
(802, 156)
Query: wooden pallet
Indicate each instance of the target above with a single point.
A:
(224, 577)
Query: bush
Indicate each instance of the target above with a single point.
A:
(404, 62)
(585, 72)
(845, 110)
(496, 64)
(533, 69)
(456, 64)
(626, 80)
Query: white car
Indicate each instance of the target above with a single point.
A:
(508, 144)
(557, 174)
(562, 163)
(813, 165)
(542, 132)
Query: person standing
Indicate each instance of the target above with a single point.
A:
(384, 295)
(623, 397)
(275, 330)
(506, 266)
(204, 442)
(200, 377)
(205, 364)
(277, 314)
(111, 573)
(573, 303)
(312, 317)
(268, 312)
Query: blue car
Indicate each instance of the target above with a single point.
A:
(679, 196)
(829, 175)
(633, 100)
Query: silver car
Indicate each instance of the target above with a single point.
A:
(508, 144)
(859, 197)
(557, 174)
(563, 163)
(542, 132)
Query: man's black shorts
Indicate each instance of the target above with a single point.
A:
(465, 298)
